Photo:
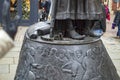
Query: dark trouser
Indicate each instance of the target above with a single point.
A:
(118, 32)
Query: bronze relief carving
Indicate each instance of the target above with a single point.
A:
(53, 62)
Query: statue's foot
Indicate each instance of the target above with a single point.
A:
(96, 33)
(74, 35)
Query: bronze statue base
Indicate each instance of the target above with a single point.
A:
(64, 60)
(43, 58)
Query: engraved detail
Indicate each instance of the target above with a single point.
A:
(91, 64)
(73, 67)
(41, 62)
(31, 76)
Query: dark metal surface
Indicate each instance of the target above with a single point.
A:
(66, 53)
(60, 60)
(88, 16)
(78, 9)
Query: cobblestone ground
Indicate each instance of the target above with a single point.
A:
(8, 64)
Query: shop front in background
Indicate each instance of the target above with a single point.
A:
(27, 9)
(115, 5)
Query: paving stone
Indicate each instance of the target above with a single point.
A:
(13, 69)
(6, 61)
(115, 56)
(16, 49)
(12, 54)
(16, 59)
(4, 69)
(7, 76)
(116, 63)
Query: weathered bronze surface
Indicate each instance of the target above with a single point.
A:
(66, 59)
(87, 16)
(77, 9)
(61, 51)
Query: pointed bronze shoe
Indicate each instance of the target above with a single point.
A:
(74, 35)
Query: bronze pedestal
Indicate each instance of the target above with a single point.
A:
(64, 60)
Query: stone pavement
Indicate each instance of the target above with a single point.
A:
(8, 63)
(112, 44)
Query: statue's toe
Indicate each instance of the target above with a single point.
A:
(74, 35)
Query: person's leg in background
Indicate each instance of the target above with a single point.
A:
(118, 32)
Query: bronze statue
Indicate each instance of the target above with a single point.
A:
(66, 14)
(66, 53)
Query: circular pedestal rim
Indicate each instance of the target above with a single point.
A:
(65, 42)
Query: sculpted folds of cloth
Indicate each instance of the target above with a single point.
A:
(67, 13)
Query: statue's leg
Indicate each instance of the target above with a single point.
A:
(71, 31)
(80, 26)
(87, 27)
(58, 28)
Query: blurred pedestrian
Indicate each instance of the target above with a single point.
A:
(115, 5)
(107, 12)
(45, 4)
(116, 22)
(7, 34)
